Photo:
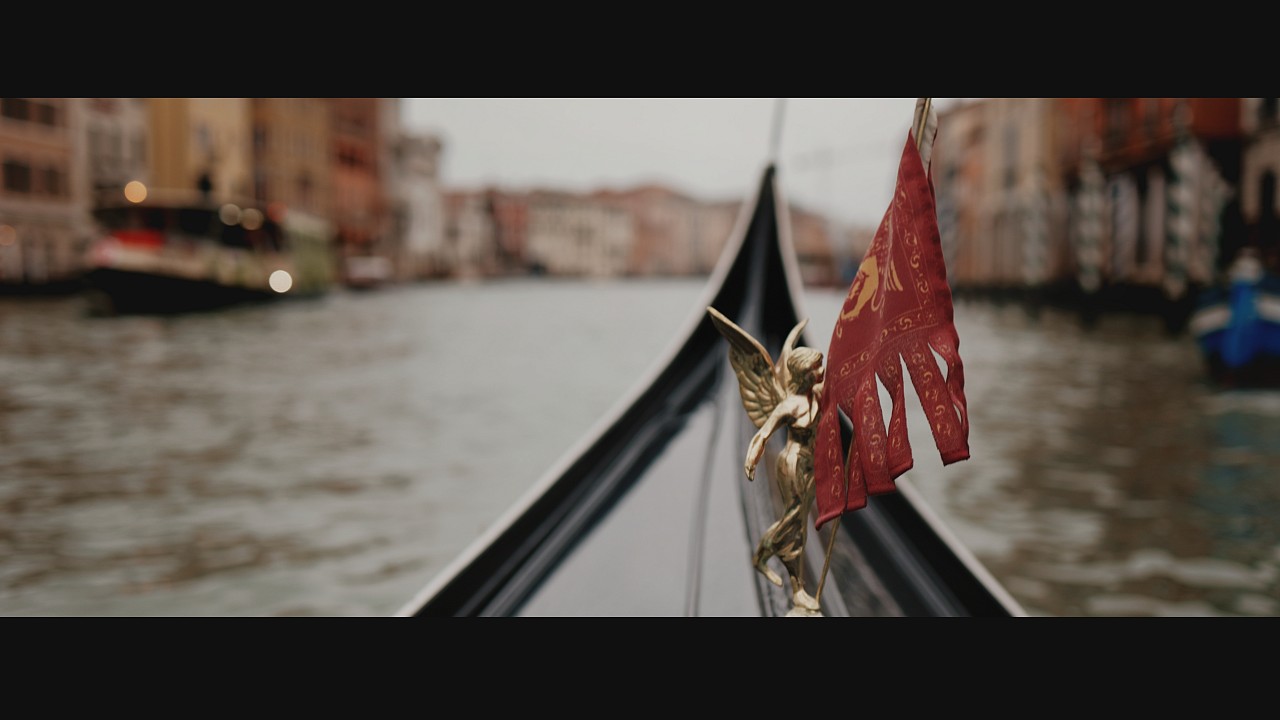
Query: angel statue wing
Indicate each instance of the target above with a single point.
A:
(782, 369)
(762, 384)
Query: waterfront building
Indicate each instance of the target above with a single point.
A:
(359, 203)
(417, 207)
(1259, 191)
(292, 165)
(116, 133)
(1002, 204)
(576, 235)
(44, 224)
(202, 144)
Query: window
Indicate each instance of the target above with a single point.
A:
(204, 138)
(53, 184)
(1117, 118)
(1151, 115)
(1267, 112)
(45, 113)
(196, 222)
(1268, 195)
(1010, 155)
(30, 110)
(17, 176)
(140, 148)
(234, 236)
(305, 186)
(16, 108)
(261, 186)
(1268, 221)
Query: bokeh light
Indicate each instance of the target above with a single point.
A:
(135, 191)
(280, 281)
(230, 214)
(251, 219)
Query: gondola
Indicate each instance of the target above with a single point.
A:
(650, 515)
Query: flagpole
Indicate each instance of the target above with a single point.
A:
(775, 140)
(924, 122)
(826, 563)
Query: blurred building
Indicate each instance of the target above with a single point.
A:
(667, 233)
(44, 224)
(1164, 175)
(510, 215)
(360, 205)
(470, 234)
(347, 161)
(716, 222)
(117, 132)
(1002, 203)
(1124, 203)
(292, 165)
(657, 231)
(577, 235)
(812, 235)
(203, 144)
(417, 208)
(1259, 193)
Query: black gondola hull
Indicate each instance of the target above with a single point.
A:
(651, 515)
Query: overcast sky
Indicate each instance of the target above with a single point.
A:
(837, 156)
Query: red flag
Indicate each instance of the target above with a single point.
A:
(898, 312)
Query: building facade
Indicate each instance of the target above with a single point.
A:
(1002, 204)
(116, 144)
(359, 205)
(1106, 202)
(292, 165)
(575, 235)
(202, 144)
(1155, 209)
(44, 222)
(418, 211)
(1259, 190)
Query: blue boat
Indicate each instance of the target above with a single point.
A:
(1238, 325)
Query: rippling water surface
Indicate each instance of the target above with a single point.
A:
(330, 457)
(315, 458)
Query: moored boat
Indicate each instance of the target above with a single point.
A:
(366, 272)
(651, 515)
(176, 251)
(1237, 325)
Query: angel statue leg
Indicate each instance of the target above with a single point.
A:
(765, 550)
(804, 489)
(785, 538)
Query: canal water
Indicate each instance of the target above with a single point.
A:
(329, 457)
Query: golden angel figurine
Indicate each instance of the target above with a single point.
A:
(778, 396)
